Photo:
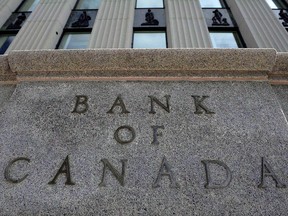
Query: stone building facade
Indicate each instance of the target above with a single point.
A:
(196, 124)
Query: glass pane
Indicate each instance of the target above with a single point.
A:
(75, 40)
(88, 4)
(223, 40)
(5, 41)
(29, 5)
(210, 3)
(272, 4)
(149, 4)
(149, 40)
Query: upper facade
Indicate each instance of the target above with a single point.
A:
(81, 24)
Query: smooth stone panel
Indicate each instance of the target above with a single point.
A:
(245, 123)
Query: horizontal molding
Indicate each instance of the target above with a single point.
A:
(146, 65)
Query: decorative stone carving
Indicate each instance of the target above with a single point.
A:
(149, 18)
(218, 20)
(284, 16)
(17, 24)
(83, 20)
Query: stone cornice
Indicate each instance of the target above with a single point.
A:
(146, 64)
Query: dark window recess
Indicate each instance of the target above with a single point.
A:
(149, 18)
(15, 22)
(219, 17)
(5, 41)
(81, 19)
(283, 16)
(280, 9)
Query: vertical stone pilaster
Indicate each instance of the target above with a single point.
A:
(7, 7)
(113, 27)
(258, 25)
(186, 26)
(44, 26)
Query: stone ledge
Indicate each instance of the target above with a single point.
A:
(143, 63)
(279, 74)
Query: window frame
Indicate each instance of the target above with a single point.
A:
(150, 7)
(8, 33)
(22, 3)
(280, 4)
(150, 30)
(222, 2)
(237, 35)
(79, 30)
(78, 9)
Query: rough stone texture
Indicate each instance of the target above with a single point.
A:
(38, 123)
(6, 92)
(143, 62)
(5, 73)
(7, 77)
(282, 95)
(279, 74)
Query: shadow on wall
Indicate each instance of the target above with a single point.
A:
(6, 93)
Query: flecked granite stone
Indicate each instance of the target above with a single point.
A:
(5, 73)
(282, 95)
(279, 74)
(143, 62)
(243, 122)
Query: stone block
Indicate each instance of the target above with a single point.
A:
(279, 74)
(143, 148)
(208, 63)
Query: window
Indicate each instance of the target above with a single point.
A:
(77, 31)
(280, 10)
(149, 25)
(74, 40)
(276, 4)
(225, 40)
(149, 4)
(5, 41)
(88, 4)
(28, 5)
(211, 3)
(149, 39)
(15, 22)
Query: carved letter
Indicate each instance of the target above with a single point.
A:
(120, 140)
(64, 169)
(199, 106)
(81, 105)
(7, 173)
(119, 102)
(165, 170)
(156, 134)
(118, 176)
(154, 99)
(267, 171)
(209, 184)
